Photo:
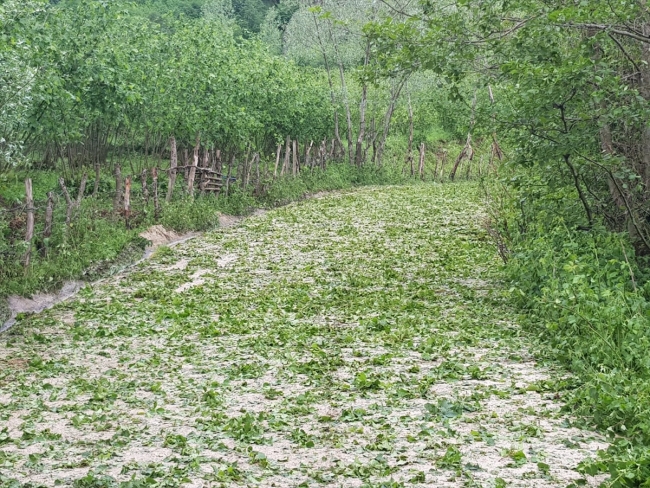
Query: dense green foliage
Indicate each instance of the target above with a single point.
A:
(100, 81)
(570, 83)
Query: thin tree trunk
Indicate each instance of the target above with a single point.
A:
(468, 150)
(396, 90)
(308, 154)
(358, 155)
(581, 194)
(82, 189)
(344, 89)
(337, 135)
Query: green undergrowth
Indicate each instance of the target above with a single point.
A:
(587, 297)
(97, 243)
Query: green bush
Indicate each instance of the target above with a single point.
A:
(588, 300)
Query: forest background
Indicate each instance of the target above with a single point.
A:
(112, 108)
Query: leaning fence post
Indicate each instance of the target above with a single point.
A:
(29, 233)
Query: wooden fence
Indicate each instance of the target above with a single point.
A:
(206, 174)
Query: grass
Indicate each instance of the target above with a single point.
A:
(358, 339)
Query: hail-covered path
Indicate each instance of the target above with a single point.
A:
(356, 339)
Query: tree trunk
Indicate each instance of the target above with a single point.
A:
(396, 90)
(358, 154)
(346, 102)
(337, 135)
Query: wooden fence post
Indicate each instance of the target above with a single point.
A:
(421, 167)
(49, 216)
(308, 154)
(206, 157)
(435, 169)
(156, 204)
(127, 200)
(442, 163)
(232, 162)
(277, 161)
(118, 190)
(97, 176)
(218, 161)
(29, 233)
(195, 163)
(184, 159)
(173, 163)
(287, 152)
(145, 190)
(295, 159)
